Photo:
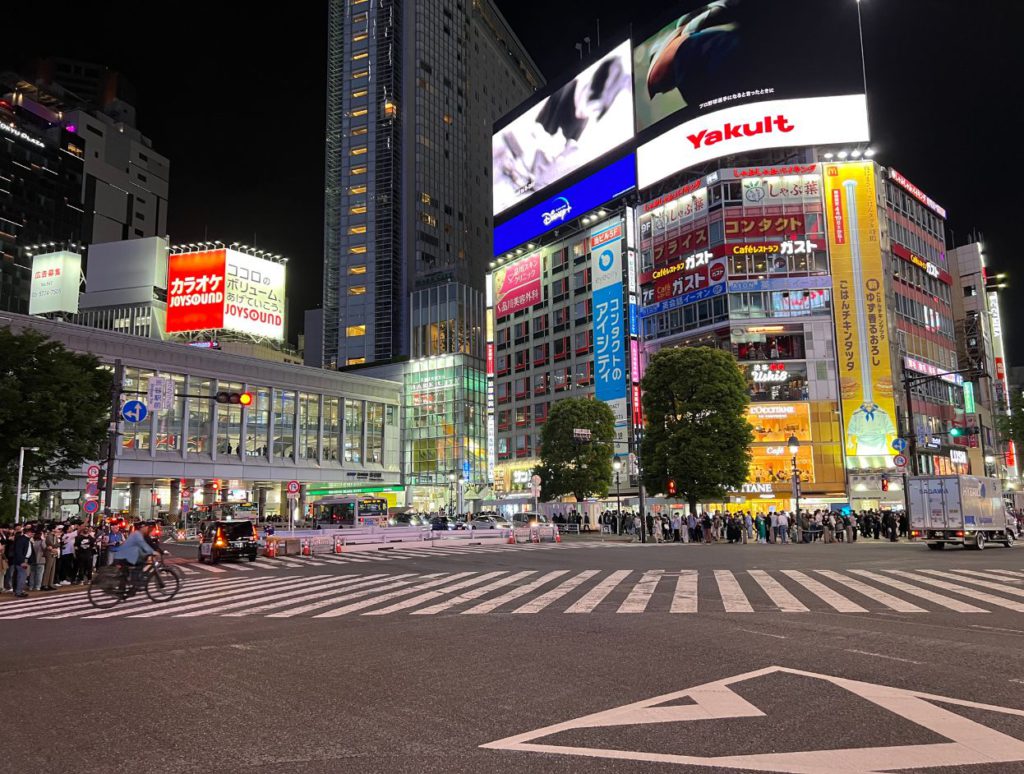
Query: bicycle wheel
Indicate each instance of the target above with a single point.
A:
(162, 584)
(105, 589)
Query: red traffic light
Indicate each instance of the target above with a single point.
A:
(245, 399)
(671, 486)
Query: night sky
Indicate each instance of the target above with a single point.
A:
(235, 99)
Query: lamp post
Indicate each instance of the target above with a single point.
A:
(451, 495)
(794, 447)
(21, 468)
(617, 467)
(990, 465)
(460, 501)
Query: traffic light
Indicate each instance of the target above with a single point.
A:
(236, 398)
(671, 486)
(956, 432)
(101, 481)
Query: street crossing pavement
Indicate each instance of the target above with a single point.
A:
(532, 592)
(193, 567)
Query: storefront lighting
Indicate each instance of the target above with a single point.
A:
(842, 154)
(855, 153)
(830, 155)
(869, 153)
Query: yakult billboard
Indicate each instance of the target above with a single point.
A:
(225, 290)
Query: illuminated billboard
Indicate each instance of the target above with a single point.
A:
(862, 327)
(225, 290)
(749, 127)
(728, 53)
(517, 285)
(55, 282)
(582, 120)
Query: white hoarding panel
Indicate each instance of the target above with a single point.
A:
(55, 282)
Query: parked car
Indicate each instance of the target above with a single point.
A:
(530, 519)
(228, 540)
(489, 521)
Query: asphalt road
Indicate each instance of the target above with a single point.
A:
(413, 664)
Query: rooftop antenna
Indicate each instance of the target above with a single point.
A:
(579, 47)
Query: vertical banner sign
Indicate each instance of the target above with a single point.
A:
(862, 330)
(490, 383)
(517, 286)
(609, 317)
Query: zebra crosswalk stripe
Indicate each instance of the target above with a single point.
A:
(370, 585)
(346, 609)
(777, 593)
(555, 594)
(286, 589)
(684, 598)
(950, 603)
(966, 591)
(596, 595)
(641, 593)
(733, 598)
(824, 593)
(468, 596)
(894, 603)
(1003, 579)
(510, 596)
(974, 582)
(82, 605)
(255, 585)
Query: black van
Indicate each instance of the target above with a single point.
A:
(228, 540)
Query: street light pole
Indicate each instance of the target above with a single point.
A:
(794, 447)
(617, 467)
(451, 495)
(21, 467)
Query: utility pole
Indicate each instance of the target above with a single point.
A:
(115, 426)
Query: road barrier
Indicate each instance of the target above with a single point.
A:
(342, 541)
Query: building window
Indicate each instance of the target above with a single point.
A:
(359, 130)
(561, 348)
(355, 361)
(357, 230)
(360, 74)
(358, 209)
(355, 330)
(358, 151)
(257, 423)
(505, 419)
(429, 219)
(523, 416)
(135, 435)
(375, 432)
(358, 250)
(361, 269)
(354, 431)
(357, 190)
(540, 384)
(332, 428)
(199, 416)
(356, 39)
(584, 341)
(357, 290)
(168, 421)
(284, 424)
(522, 360)
(540, 354)
(309, 426)
(359, 113)
(562, 378)
(427, 199)
(360, 170)
(523, 387)
(229, 423)
(503, 364)
(360, 55)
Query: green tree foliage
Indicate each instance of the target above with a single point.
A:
(567, 467)
(1011, 427)
(51, 398)
(696, 432)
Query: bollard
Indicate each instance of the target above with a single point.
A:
(305, 548)
(271, 549)
(558, 535)
(535, 535)
(512, 536)
(338, 542)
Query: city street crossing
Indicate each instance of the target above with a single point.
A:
(564, 591)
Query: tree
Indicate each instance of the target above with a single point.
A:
(53, 399)
(567, 466)
(696, 434)
(1011, 426)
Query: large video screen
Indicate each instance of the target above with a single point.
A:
(584, 119)
(724, 53)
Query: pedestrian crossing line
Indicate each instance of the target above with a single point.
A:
(453, 601)
(596, 595)
(356, 590)
(284, 592)
(966, 591)
(55, 604)
(990, 576)
(777, 593)
(511, 596)
(124, 611)
(950, 603)
(404, 593)
(824, 593)
(249, 592)
(733, 598)
(684, 598)
(883, 598)
(555, 594)
(336, 584)
(207, 567)
(235, 567)
(1010, 574)
(641, 593)
(82, 606)
(976, 582)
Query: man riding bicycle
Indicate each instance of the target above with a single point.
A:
(134, 552)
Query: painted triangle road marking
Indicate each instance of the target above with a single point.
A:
(970, 742)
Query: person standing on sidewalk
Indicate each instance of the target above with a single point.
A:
(52, 540)
(85, 554)
(38, 560)
(67, 556)
(783, 522)
(20, 558)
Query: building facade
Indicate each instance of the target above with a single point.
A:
(334, 433)
(412, 91)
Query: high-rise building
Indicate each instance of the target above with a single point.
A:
(413, 89)
(41, 171)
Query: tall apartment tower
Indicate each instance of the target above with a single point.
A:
(413, 89)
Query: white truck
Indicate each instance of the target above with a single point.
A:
(959, 510)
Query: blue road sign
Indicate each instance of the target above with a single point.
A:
(466, 469)
(134, 411)
(91, 506)
(900, 461)
(899, 444)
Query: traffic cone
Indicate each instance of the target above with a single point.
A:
(558, 535)
(512, 536)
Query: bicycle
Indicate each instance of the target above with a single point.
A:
(114, 584)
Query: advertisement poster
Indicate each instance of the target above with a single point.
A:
(610, 367)
(55, 282)
(254, 300)
(582, 120)
(725, 53)
(195, 291)
(862, 327)
(517, 285)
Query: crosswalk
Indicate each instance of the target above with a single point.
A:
(193, 567)
(532, 592)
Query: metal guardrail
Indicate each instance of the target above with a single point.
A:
(338, 541)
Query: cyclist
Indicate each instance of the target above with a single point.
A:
(134, 551)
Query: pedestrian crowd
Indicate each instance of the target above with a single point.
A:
(821, 525)
(44, 556)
